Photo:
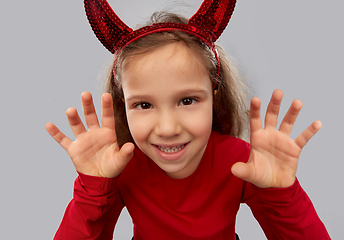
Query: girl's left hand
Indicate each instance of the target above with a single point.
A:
(274, 155)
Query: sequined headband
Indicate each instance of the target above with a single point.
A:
(207, 24)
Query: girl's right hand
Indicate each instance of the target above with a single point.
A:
(95, 151)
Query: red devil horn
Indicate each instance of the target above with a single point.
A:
(213, 16)
(207, 24)
(107, 26)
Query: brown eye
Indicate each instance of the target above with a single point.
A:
(187, 101)
(144, 105)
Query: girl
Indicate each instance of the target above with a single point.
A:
(174, 157)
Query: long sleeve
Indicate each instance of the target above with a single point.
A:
(286, 213)
(93, 211)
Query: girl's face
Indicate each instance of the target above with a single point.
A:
(169, 98)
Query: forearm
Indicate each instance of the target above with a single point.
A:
(93, 211)
(290, 213)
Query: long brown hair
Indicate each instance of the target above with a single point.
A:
(230, 110)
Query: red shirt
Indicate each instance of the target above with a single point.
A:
(201, 206)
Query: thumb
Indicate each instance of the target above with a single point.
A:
(126, 153)
(242, 170)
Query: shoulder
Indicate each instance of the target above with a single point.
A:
(138, 164)
(228, 148)
(137, 170)
(222, 152)
(227, 139)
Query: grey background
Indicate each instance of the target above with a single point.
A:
(49, 56)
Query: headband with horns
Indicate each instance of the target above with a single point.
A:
(207, 24)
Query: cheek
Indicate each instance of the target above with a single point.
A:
(200, 121)
(138, 126)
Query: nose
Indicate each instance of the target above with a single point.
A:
(168, 124)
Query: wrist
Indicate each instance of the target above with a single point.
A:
(276, 194)
(96, 182)
(284, 183)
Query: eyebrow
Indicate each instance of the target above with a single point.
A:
(183, 92)
(191, 91)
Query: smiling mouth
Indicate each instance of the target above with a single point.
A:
(171, 149)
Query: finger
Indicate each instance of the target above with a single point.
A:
(273, 108)
(108, 119)
(290, 118)
(75, 122)
(59, 137)
(243, 171)
(308, 133)
(89, 110)
(255, 121)
(125, 154)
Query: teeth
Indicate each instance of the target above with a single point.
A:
(172, 149)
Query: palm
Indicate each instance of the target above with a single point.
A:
(274, 155)
(94, 152)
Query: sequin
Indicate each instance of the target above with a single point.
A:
(207, 24)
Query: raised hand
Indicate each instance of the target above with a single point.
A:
(95, 151)
(274, 155)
